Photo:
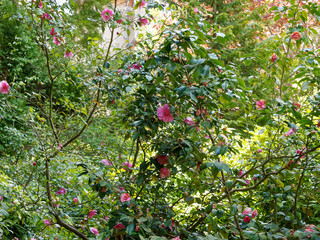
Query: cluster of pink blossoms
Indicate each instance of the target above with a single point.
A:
(164, 172)
(106, 162)
(274, 57)
(92, 213)
(56, 39)
(162, 159)
(142, 4)
(164, 113)
(125, 197)
(61, 191)
(247, 212)
(4, 87)
(290, 132)
(296, 36)
(94, 231)
(143, 21)
(261, 104)
(119, 226)
(107, 14)
(46, 222)
(126, 166)
(241, 173)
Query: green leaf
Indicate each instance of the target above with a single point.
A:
(223, 150)
(172, 66)
(189, 200)
(277, 17)
(193, 97)
(222, 166)
(263, 120)
(234, 209)
(130, 228)
(241, 82)
(140, 179)
(99, 70)
(217, 151)
(229, 183)
(205, 165)
(305, 86)
(305, 121)
(107, 65)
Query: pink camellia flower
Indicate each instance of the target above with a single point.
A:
(0, 198)
(259, 150)
(4, 87)
(137, 228)
(58, 40)
(240, 173)
(75, 200)
(246, 211)
(68, 54)
(296, 36)
(107, 14)
(126, 165)
(52, 32)
(142, 4)
(164, 172)
(94, 231)
(318, 125)
(164, 113)
(196, 10)
(162, 159)
(260, 104)
(61, 191)
(189, 121)
(119, 21)
(300, 152)
(290, 132)
(136, 66)
(274, 57)
(34, 163)
(46, 222)
(45, 16)
(254, 178)
(106, 162)
(143, 21)
(125, 197)
(296, 105)
(246, 219)
(40, 5)
(92, 213)
(122, 189)
(119, 226)
(254, 214)
(247, 182)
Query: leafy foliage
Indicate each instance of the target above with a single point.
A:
(208, 129)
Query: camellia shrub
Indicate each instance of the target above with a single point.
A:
(183, 134)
